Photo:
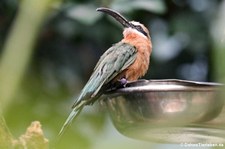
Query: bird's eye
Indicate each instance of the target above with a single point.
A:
(139, 27)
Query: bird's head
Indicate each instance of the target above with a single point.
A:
(130, 26)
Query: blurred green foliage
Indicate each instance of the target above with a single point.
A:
(69, 41)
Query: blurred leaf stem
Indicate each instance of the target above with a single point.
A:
(5, 135)
(218, 33)
(18, 47)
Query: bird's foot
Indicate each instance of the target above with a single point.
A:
(120, 83)
(123, 82)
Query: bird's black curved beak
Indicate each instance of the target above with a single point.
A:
(116, 16)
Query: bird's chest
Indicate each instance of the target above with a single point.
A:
(140, 65)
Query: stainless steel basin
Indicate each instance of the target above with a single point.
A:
(168, 111)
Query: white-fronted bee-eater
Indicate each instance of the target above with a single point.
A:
(125, 61)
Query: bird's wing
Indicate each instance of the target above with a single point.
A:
(120, 47)
(110, 50)
(112, 62)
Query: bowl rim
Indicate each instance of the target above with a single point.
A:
(166, 85)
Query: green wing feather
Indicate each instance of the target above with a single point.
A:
(112, 62)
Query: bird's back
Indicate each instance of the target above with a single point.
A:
(114, 61)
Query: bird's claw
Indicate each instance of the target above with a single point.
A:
(123, 82)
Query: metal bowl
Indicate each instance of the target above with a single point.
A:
(168, 111)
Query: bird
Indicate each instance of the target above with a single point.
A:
(127, 60)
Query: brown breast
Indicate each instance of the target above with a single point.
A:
(141, 64)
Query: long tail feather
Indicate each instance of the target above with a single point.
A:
(73, 114)
(88, 95)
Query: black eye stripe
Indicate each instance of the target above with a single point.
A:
(140, 29)
(143, 32)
